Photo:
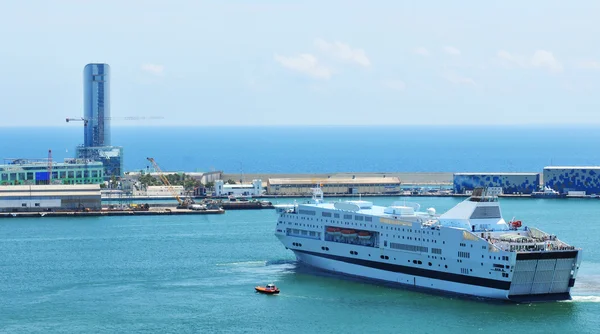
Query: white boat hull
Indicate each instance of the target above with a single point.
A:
(399, 278)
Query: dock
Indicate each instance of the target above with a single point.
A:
(156, 211)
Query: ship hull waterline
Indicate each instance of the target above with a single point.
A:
(419, 283)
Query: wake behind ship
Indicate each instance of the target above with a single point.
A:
(469, 250)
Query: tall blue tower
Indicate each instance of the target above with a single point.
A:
(96, 105)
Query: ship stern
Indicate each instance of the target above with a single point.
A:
(544, 276)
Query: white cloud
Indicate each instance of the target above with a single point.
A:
(153, 69)
(397, 85)
(509, 59)
(452, 50)
(305, 63)
(421, 51)
(343, 52)
(542, 58)
(539, 59)
(589, 64)
(458, 79)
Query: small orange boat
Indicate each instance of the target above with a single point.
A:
(270, 289)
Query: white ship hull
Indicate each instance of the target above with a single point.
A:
(410, 281)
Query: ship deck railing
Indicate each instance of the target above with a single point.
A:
(531, 246)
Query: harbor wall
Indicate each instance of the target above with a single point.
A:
(430, 179)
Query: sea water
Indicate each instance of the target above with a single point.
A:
(177, 274)
(325, 149)
(181, 274)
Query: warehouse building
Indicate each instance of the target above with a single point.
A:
(565, 179)
(223, 189)
(334, 186)
(49, 197)
(511, 183)
(160, 191)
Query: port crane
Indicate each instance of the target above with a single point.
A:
(186, 203)
(127, 118)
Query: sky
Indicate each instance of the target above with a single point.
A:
(264, 63)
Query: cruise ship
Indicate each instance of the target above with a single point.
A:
(468, 250)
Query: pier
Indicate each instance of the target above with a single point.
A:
(155, 211)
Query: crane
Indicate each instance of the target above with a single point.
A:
(183, 204)
(127, 118)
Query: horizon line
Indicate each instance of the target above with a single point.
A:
(549, 125)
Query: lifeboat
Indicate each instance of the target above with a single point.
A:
(348, 233)
(364, 235)
(516, 224)
(333, 231)
(269, 289)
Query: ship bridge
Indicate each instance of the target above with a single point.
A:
(478, 213)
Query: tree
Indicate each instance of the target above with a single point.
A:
(230, 181)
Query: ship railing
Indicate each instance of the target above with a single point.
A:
(546, 246)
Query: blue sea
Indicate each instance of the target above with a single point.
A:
(325, 149)
(196, 274)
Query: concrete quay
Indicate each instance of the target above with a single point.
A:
(424, 179)
(157, 211)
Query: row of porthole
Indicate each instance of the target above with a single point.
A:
(324, 248)
(429, 263)
(353, 252)
(296, 244)
(384, 257)
(504, 258)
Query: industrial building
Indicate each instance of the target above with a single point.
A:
(565, 179)
(511, 183)
(254, 189)
(36, 172)
(334, 186)
(49, 197)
